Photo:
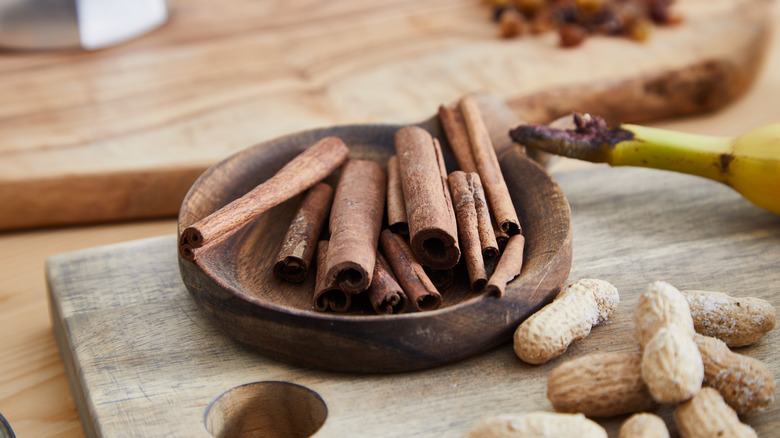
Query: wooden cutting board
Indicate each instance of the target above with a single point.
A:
(143, 361)
(122, 133)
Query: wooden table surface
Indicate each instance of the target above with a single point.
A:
(34, 392)
(122, 133)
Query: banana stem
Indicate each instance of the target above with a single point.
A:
(632, 145)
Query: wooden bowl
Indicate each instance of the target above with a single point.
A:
(234, 285)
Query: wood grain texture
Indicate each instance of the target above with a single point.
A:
(144, 360)
(122, 133)
(34, 393)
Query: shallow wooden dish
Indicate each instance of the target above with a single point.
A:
(234, 285)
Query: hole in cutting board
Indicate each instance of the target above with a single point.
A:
(268, 409)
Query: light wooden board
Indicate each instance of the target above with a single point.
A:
(142, 360)
(123, 132)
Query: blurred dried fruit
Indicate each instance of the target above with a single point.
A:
(575, 20)
(572, 35)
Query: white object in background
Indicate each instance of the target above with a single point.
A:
(107, 22)
(76, 24)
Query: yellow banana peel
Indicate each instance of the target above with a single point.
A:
(749, 163)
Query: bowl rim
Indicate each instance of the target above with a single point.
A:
(535, 288)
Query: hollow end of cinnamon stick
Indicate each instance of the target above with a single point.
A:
(502, 238)
(385, 294)
(190, 239)
(427, 302)
(326, 295)
(187, 252)
(391, 304)
(510, 228)
(490, 254)
(351, 277)
(291, 269)
(333, 299)
(436, 249)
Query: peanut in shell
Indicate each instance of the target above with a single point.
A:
(600, 385)
(737, 321)
(707, 415)
(745, 383)
(566, 320)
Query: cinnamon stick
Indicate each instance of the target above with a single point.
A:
(396, 208)
(326, 295)
(432, 228)
(302, 172)
(385, 294)
(442, 279)
(462, 187)
(487, 236)
(409, 273)
(509, 265)
(489, 169)
(501, 236)
(455, 128)
(300, 242)
(355, 222)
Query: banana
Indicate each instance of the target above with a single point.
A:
(749, 163)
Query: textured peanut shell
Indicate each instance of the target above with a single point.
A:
(661, 304)
(745, 383)
(671, 366)
(706, 415)
(644, 425)
(600, 385)
(568, 319)
(537, 424)
(735, 321)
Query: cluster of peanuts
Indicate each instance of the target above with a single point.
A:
(684, 359)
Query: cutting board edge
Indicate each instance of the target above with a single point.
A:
(67, 354)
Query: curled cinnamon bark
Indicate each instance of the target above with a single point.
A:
(462, 185)
(355, 222)
(509, 265)
(455, 128)
(409, 273)
(487, 236)
(432, 228)
(489, 169)
(385, 294)
(302, 172)
(501, 237)
(396, 208)
(300, 242)
(327, 296)
(442, 279)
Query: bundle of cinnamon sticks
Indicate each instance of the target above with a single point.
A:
(435, 223)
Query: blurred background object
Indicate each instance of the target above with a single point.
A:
(76, 24)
